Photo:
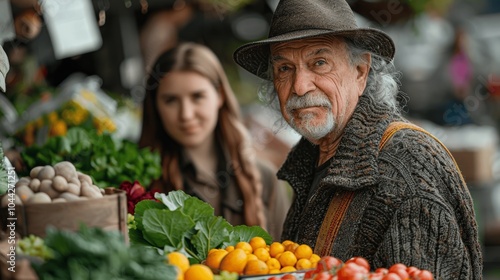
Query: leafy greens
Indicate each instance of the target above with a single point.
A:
(180, 222)
(108, 160)
(94, 253)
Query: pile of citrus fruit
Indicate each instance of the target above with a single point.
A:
(186, 271)
(257, 258)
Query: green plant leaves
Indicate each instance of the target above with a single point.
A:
(183, 222)
(108, 160)
(165, 228)
(94, 253)
(211, 233)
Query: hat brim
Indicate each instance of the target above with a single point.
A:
(254, 57)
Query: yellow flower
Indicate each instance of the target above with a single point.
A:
(74, 114)
(52, 117)
(104, 124)
(59, 128)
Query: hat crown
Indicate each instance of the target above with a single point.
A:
(296, 15)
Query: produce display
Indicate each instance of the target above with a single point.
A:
(180, 222)
(58, 183)
(257, 258)
(176, 236)
(331, 268)
(187, 231)
(93, 253)
(108, 160)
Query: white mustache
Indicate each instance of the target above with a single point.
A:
(308, 100)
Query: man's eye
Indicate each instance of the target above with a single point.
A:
(320, 62)
(283, 68)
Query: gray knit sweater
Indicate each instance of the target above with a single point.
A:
(409, 206)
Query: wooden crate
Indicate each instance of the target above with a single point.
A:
(109, 212)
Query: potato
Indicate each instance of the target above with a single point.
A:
(46, 187)
(69, 196)
(88, 191)
(59, 200)
(47, 172)
(84, 177)
(59, 183)
(34, 172)
(65, 169)
(98, 190)
(74, 180)
(24, 192)
(35, 185)
(24, 181)
(74, 189)
(5, 200)
(39, 197)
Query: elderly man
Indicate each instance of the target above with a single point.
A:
(367, 182)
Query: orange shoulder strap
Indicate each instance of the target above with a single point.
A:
(340, 202)
(395, 126)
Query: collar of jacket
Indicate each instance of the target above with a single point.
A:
(354, 165)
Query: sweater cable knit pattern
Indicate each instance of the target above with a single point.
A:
(410, 205)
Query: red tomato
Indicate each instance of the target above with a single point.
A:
(323, 275)
(382, 270)
(391, 276)
(351, 271)
(360, 261)
(399, 269)
(425, 275)
(401, 272)
(310, 274)
(326, 263)
(288, 277)
(397, 266)
(376, 276)
(274, 278)
(412, 271)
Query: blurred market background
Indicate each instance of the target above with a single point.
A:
(82, 64)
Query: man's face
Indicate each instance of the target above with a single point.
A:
(318, 87)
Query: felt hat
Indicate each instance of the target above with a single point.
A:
(4, 68)
(298, 19)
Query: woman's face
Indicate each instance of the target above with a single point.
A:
(188, 105)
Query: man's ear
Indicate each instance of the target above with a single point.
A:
(363, 69)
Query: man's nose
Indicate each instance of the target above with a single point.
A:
(303, 81)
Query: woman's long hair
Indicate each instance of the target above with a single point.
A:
(230, 128)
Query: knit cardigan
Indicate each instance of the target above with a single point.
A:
(410, 205)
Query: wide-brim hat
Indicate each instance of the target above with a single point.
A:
(4, 68)
(298, 19)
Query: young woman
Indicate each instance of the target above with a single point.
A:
(192, 117)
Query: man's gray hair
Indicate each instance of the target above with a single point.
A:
(382, 83)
